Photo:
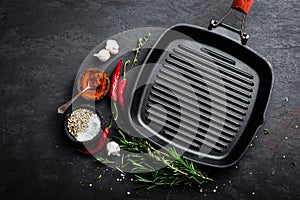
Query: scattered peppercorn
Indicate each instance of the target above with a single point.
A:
(266, 131)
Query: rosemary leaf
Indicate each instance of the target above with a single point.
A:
(104, 160)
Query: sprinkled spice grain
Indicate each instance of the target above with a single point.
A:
(84, 124)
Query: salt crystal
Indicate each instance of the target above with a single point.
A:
(283, 157)
(201, 190)
(214, 190)
(286, 138)
(128, 193)
(253, 193)
(92, 130)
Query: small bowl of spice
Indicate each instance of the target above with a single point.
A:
(96, 79)
(83, 124)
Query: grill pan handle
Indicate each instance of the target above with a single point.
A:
(241, 6)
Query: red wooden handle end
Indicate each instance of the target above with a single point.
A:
(242, 5)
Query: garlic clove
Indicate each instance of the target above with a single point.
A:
(113, 148)
(112, 46)
(113, 51)
(103, 55)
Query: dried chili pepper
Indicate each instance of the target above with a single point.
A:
(100, 144)
(114, 86)
(122, 87)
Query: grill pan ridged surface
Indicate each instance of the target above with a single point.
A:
(198, 97)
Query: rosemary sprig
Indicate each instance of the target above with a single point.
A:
(141, 43)
(178, 170)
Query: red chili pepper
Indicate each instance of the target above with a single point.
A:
(122, 87)
(114, 82)
(100, 144)
(114, 86)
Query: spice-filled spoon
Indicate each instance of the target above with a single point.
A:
(62, 109)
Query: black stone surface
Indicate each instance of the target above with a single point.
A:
(42, 45)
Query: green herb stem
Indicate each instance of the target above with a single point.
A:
(141, 43)
(125, 69)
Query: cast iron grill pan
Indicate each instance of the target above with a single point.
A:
(202, 93)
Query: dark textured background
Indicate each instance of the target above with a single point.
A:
(42, 45)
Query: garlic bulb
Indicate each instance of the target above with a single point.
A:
(113, 148)
(103, 55)
(112, 46)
